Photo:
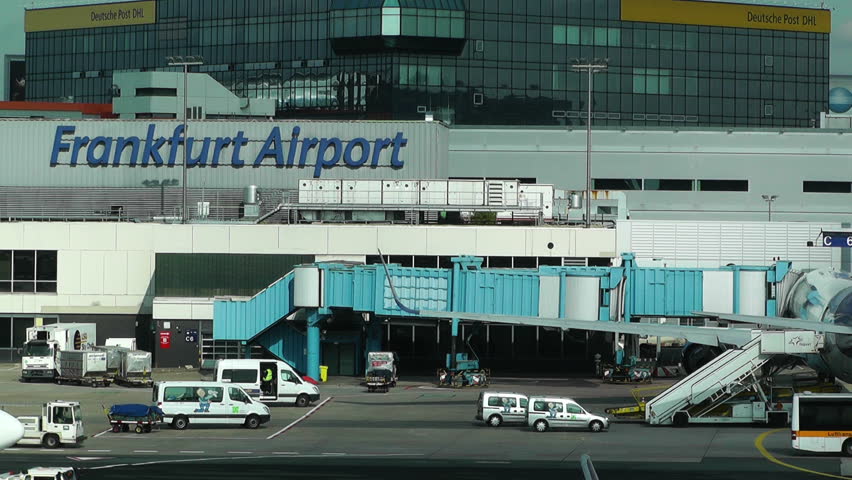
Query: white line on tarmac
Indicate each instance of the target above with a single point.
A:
(241, 453)
(105, 431)
(296, 422)
(12, 449)
(333, 454)
(145, 451)
(109, 466)
(285, 453)
(98, 451)
(191, 451)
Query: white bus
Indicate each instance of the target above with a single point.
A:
(822, 422)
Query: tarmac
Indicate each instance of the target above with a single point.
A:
(416, 429)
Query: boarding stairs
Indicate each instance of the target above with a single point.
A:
(726, 376)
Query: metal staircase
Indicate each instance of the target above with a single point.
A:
(727, 375)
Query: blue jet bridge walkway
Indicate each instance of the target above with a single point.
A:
(313, 293)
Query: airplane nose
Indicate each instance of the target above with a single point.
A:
(11, 431)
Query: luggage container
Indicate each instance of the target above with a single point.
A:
(141, 418)
(83, 367)
(135, 369)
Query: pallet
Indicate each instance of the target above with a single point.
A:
(87, 381)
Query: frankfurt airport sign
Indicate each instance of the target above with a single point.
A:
(319, 153)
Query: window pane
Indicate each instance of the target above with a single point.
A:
(587, 36)
(46, 265)
(639, 84)
(19, 330)
(827, 187)
(390, 24)
(46, 287)
(723, 185)
(614, 37)
(559, 34)
(617, 184)
(668, 185)
(600, 36)
(573, 35)
(5, 265)
(23, 287)
(24, 265)
(5, 332)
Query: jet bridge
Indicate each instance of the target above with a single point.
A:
(698, 398)
(289, 316)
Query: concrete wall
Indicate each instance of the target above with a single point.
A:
(107, 268)
(204, 91)
(774, 162)
(714, 244)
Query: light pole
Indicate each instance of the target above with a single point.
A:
(185, 62)
(769, 199)
(596, 65)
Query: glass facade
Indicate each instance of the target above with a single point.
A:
(473, 62)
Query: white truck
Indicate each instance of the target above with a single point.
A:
(60, 423)
(43, 473)
(42, 342)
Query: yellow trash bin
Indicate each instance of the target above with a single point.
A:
(323, 373)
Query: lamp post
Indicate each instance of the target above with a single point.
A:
(769, 199)
(185, 62)
(597, 65)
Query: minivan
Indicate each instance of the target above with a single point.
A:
(495, 408)
(561, 412)
(208, 403)
(286, 386)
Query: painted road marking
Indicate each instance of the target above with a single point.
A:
(99, 451)
(333, 454)
(191, 451)
(241, 453)
(105, 431)
(145, 451)
(285, 453)
(109, 466)
(296, 422)
(758, 443)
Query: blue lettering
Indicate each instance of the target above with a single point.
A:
(78, 144)
(398, 142)
(217, 149)
(152, 148)
(381, 144)
(175, 141)
(307, 145)
(120, 144)
(103, 159)
(201, 159)
(321, 161)
(365, 152)
(58, 145)
(294, 142)
(239, 142)
(271, 148)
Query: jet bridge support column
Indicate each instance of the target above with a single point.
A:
(314, 345)
(453, 343)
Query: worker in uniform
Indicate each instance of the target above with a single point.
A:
(266, 382)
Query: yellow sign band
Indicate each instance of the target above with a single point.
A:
(91, 16)
(715, 14)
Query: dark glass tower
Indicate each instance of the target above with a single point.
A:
(473, 62)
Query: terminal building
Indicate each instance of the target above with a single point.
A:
(314, 149)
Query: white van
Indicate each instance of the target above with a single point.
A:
(561, 412)
(286, 385)
(495, 408)
(208, 403)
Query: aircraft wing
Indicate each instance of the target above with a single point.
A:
(704, 335)
(780, 322)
